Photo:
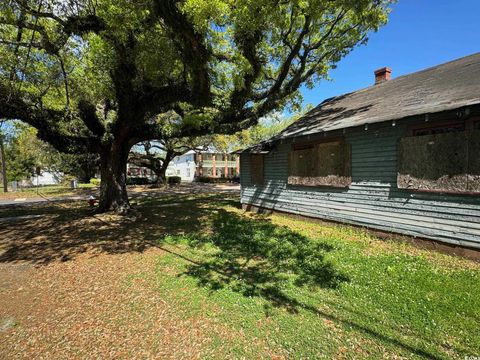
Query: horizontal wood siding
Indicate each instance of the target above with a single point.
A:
(373, 199)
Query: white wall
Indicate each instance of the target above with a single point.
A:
(183, 166)
(46, 178)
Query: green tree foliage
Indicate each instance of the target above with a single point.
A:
(266, 129)
(20, 153)
(25, 153)
(94, 76)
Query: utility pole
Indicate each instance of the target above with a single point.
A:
(3, 160)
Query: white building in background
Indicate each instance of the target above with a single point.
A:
(194, 164)
(45, 178)
(183, 166)
(142, 172)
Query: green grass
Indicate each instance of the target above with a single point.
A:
(87, 186)
(48, 190)
(32, 191)
(276, 286)
(302, 289)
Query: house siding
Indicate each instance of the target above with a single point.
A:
(183, 166)
(373, 199)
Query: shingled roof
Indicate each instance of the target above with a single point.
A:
(444, 87)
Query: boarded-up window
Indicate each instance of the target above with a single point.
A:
(453, 127)
(256, 162)
(323, 164)
(474, 162)
(440, 162)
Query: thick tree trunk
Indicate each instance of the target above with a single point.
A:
(88, 169)
(162, 170)
(161, 176)
(113, 172)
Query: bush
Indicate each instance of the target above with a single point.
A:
(138, 181)
(211, 180)
(66, 180)
(95, 181)
(201, 179)
(174, 180)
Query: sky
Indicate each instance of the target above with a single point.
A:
(419, 34)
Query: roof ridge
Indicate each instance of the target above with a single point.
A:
(373, 86)
(453, 84)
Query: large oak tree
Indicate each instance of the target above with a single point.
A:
(94, 75)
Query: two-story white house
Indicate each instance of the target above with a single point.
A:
(183, 166)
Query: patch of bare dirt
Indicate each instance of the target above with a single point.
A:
(78, 285)
(100, 307)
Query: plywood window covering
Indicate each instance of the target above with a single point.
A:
(446, 159)
(320, 164)
(447, 128)
(473, 168)
(256, 161)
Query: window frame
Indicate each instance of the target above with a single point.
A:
(415, 129)
(253, 180)
(303, 145)
(470, 124)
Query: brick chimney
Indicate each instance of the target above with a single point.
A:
(383, 74)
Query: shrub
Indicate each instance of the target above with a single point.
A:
(174, 180)
(202, 179)
(212, 180)
(66, 180)
(95, 181)
(138, 181)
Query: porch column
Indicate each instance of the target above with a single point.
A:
(199, 168)
(237, 159)
(214, 166)
(225, 157)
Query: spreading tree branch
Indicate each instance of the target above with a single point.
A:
(190, 44)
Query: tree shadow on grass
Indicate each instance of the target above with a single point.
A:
(257, 258)
(249, 255)
(43, 233)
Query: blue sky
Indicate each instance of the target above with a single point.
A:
(419, 34)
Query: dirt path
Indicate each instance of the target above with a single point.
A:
(100, 307)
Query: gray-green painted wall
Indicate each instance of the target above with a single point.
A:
(373, 199)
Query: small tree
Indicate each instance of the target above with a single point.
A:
(25, 153)
(93, 76)
(21, 152)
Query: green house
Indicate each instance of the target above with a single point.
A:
(401, 156)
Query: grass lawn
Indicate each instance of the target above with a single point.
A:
(238, 285)
(48, 190)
